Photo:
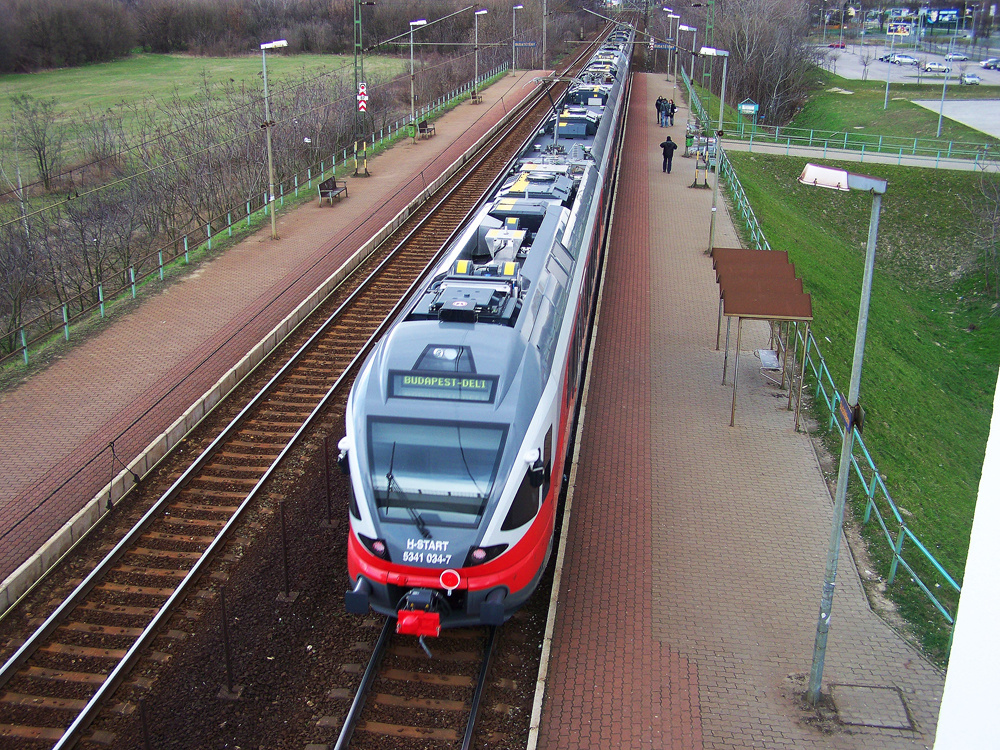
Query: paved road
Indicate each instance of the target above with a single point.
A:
(979, 114)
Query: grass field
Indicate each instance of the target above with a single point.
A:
(829, 108)
(146, 78)
(933, 343)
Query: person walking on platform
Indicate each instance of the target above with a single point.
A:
(668, 147)
(671, 110)
(660, 104)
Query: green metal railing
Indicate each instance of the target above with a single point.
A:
(925, 149)
(38, 331)
(879, 503)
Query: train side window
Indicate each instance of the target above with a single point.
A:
(353, 501)
(524, 507)
(547, 456)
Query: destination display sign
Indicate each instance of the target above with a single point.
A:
(442, 387)
(898, 29)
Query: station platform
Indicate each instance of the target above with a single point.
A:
(693, 567)
(693, 562)
(130, 382)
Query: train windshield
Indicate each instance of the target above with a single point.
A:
(430, 472)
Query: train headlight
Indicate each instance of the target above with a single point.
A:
(480, 555)
(446, 353)
(377, 547)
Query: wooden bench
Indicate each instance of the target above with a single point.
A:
(329, 189)
(477, 98)
(425, 129)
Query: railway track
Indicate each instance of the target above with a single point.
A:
(415, 700)
(68, 669)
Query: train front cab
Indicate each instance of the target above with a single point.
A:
(479, 593)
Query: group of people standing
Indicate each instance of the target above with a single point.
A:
(665, 110)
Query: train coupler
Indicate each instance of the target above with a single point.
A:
(420, 614)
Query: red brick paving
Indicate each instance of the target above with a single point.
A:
(131, 381)
(694, 561)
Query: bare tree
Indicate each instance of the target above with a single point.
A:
(41, 136)
(865, 57)
(769, 59)
(833, 57)
(986, 229)
(18, 269)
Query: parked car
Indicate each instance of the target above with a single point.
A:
(936, 67)
(970, 79)
(837, 45)
(990, 63)
(956, 56)
(885, 58)
(904, 60)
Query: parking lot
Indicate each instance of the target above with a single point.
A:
(981, 114)
(847, 63)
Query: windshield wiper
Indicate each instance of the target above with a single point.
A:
(392, 485)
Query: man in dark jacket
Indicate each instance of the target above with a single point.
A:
(668, 147)
(660, 103)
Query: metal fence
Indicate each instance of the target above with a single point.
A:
(926, 149)
(58, 321)
(879, 503)
(93, 465)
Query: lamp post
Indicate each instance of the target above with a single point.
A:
(842, 3)
(694, 43)
(475, 83)
(888, 72)
(513, 37)
(944, 90)
(267, 129)
(413, 111)
(673, 37)
(724, 54)
(545, 36)
(839, 179)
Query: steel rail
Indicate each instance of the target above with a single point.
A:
(367, 679)
(87, 714)
(477, 696)
(371, 671)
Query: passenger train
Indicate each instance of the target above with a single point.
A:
(458, 423)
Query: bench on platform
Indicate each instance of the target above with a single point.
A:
(477, 98)
(329, 189)
(425, 129)
(770, 361)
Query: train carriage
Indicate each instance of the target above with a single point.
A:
(457, 424)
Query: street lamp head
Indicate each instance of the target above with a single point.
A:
(713, 52)
(685, 27)
(518, 7)
(482, 12)
(421, 22)
(667, 10)
(841, 179)
(673, 15)
(275, 45)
